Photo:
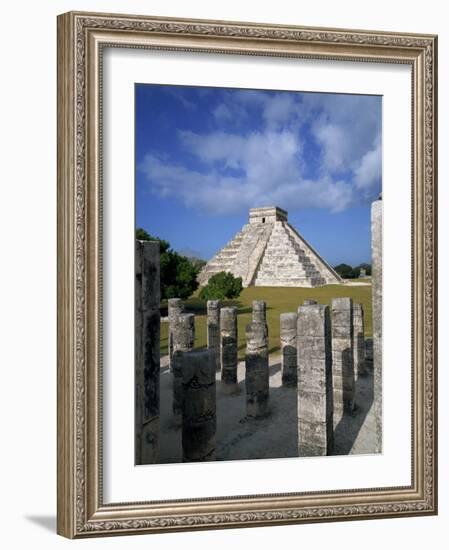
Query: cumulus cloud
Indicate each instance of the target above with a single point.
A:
(368, 172)
(296, 151)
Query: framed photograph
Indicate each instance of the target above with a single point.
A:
(246, 274)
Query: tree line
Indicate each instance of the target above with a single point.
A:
(348, 272)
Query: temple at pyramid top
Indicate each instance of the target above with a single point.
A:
(267, 214)
(268, 251)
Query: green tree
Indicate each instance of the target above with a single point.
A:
(221, 286)
(345, 271)
(178, 274)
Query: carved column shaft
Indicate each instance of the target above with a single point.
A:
(228, 349)
(199, 421)
(175, 308)
(183, 340)
(289, 352)
(257, 375)
(315, 395)
(213, 331)
(147, 352)
(376, 276)
(342, 357)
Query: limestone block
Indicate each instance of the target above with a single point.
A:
(228, 349)
(147, 353)
(359, 340)
(315, 394)
(257, 376)
(259, 311)
(199, 421)
(289, 359)
(183, 341)
(342, 357)
(175, 308)
(376, 277)
(213, 331)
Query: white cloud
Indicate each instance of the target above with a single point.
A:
(369, 171)
(236, 171)
(222, 112)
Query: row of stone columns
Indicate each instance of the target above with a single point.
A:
(194, 371)
(320, 357)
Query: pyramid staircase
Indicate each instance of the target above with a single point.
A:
(285, 263)
(269, 252)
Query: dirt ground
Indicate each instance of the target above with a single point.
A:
(275, 436)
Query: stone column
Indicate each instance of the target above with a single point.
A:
(213, 331)
(257, 375)
(183, 340)
(175, 308)
(376, 278)
(147, 352)
(228, 349)
(358, 340)
(342, 357)
(259, 311)
(199, 421)
(289, 359)
(310, 302)
(315, 395)
(369, 355)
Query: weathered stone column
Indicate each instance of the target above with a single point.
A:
(259, 311)
(199, 422)
(342, 357)
(213, 331)
(147, 352)
(175, 308)
(315, 395)
(369, 355)
(257, 375)
(289, 352)
(310, 302)
(228, 349)
(358, 340)
(183, 340)
(376, 277)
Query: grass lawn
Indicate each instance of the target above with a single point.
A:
(279, 300)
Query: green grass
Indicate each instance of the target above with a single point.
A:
(279, 300)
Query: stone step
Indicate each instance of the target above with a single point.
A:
(284, 262)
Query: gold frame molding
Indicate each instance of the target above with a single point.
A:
(81, 37)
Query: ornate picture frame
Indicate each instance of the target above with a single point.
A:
(82, 39)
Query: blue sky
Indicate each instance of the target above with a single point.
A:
(204, 156)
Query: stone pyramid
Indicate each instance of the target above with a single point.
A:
(268, 251)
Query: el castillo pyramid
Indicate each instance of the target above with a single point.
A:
(268, 251)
